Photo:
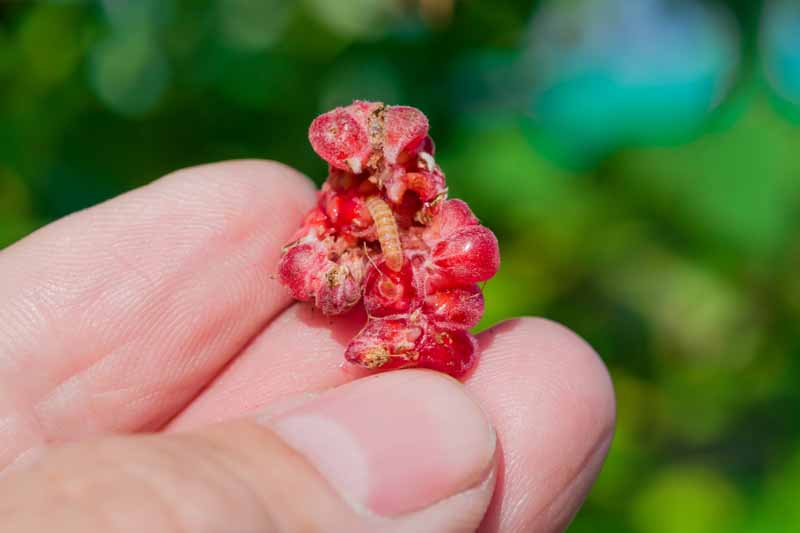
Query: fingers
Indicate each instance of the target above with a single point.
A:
(113, 318)
(552, 403)
(402, 452)
(546, 391)
(300, 351)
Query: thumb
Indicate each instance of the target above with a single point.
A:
(402, 451)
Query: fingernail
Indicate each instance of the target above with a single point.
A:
(393, 443)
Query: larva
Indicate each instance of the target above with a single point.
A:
(388, 236)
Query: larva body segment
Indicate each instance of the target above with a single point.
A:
(388, 235)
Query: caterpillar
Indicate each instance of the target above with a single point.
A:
(388, 235)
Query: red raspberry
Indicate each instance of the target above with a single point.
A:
(384, 229)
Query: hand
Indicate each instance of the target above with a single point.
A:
(154, 376)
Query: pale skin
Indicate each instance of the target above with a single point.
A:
(154, 376)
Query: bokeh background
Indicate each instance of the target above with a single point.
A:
(638, 159)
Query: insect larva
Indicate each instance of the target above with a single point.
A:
(388, 236)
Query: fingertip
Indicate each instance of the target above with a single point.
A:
(163, 285)
(551, 400)
(249, 178)
(396, 442)
(556, 359)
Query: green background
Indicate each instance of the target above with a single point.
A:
(646, 196)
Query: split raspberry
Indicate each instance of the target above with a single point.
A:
(383, 230)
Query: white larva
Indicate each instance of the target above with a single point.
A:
(388, 235)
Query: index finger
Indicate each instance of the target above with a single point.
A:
(545, 390)
(115, 317)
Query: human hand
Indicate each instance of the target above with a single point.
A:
(155, 318)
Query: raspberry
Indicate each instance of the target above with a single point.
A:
(384, 231)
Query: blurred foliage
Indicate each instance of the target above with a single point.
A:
(639, 161)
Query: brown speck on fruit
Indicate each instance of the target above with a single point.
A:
(375, 131)
(375, 357)
(405, 347)
(334, 276)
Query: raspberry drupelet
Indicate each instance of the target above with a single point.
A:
(383, 230)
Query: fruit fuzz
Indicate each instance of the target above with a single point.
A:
(383, 229)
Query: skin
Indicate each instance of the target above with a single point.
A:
(154, 376)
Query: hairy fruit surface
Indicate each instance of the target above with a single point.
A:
(383, 231)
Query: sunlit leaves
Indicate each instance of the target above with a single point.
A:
(49, 44)
(253, 25)
(611, 72)
(129, 72)
(736, 187)
(780, 40)
(689, 499)
(357, 18)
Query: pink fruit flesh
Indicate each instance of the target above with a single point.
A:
(457, 308)
(449, 351)
(405, 128)
(466, 256)
(420, 314)
(387, 292)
